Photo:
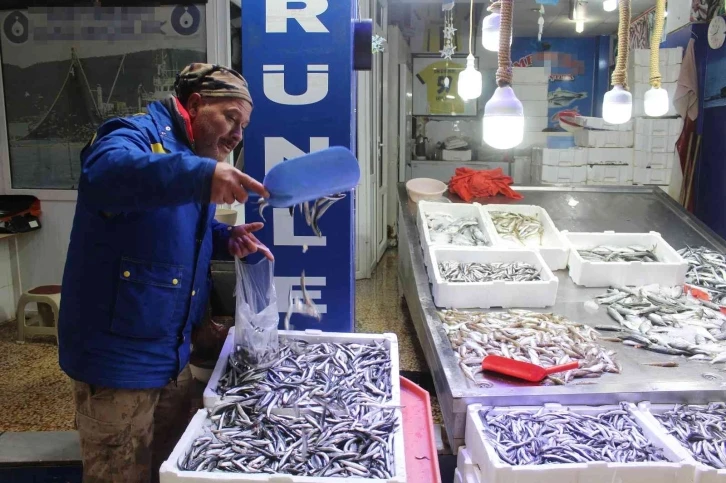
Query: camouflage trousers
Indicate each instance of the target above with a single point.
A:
(127, 433)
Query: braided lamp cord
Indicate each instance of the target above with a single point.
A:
(655, 38)
(504, 72)
(620, 75)
(471, 23)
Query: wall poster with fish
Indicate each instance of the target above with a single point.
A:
(67, 69)
(572, 64)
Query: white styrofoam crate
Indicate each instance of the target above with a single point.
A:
(599, 123)
(530, 92)
(498, 293)
(170, 472)
(654, 176)
(211, 398)
(609, 174)
(610, 156)
(670, 56)
(670, 270)
(604, 139)
(659, 126)
(654, 143)
(530, 140)
(554, 248)
(494, 470)
(641, 74)
(535, 108)
(560, 157)
(535, 123)
(703, 473)
(458, 210)
(530, 75)
(644, 159)
(565, 175)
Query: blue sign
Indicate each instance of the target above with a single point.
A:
(297, 58)
(572, 68)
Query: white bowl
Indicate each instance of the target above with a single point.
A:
(425, 189)
(227, 216)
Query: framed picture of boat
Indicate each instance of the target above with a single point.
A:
(65, 70)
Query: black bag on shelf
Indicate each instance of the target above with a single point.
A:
(19, 213)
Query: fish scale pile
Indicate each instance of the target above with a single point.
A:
(606, 253)
(666, 320)
(311, 374)
(317, 443)
(544, 339)
(310, 409)
(700, 429)
(487, 272)
(446, 229)
(518, 227)
(706, 271)
(561, 436)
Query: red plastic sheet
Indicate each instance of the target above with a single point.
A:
(470, 184)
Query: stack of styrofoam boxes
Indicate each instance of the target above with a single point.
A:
(479, 460)
(559, 166)
(609, 149)
(669, 66)
(655, 149)
(530, 85)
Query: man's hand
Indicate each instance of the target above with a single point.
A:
(230, 184)
(242, 242)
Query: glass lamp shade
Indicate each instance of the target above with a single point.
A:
(503, 126)
(469, 84)
(490, 32)
(617, 106)
(656, 102)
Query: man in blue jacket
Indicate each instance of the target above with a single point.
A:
(137, 275)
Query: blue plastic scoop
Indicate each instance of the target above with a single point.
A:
(310, 177)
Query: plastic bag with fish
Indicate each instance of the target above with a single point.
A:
(256, 314)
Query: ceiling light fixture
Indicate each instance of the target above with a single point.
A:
(609, 5)
(470, 81)
(617, 106)
(503, 126)
(490, 27)
(656, 102)
(579, 26)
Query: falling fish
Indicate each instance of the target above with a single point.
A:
(305, 306)
(543, 339)
(312, 213)
(563, 436)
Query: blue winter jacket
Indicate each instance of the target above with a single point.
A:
(137, 275)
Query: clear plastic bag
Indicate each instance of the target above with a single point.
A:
(256, 317)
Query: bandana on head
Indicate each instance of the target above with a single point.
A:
(211, 80)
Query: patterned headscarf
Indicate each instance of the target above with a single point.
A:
(210, 80)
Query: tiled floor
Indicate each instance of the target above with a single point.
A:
(35, 395)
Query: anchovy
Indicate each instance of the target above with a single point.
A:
(319, 443)
(700, 429)
(563, 436)
(706, 271)
(618, 254)
(486, 272)
(518, 227)
(312, 215)
(446, 229)
(540, 338)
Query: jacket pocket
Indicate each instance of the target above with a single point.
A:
(146, 299)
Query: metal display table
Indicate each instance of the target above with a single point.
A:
(581, 209)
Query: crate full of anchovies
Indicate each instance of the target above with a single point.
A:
(572, 444)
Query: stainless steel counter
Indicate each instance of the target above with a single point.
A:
(621, 209)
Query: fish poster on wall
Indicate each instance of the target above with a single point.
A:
(572, 66)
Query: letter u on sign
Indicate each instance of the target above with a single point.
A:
(273, 83)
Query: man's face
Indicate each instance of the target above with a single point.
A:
(217, 124)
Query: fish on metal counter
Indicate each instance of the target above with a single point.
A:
(544, 339)
(563, 436)
(706, 271)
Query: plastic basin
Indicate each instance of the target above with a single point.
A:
(425, 189)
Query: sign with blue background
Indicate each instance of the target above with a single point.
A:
(297, 58)
(572, 75)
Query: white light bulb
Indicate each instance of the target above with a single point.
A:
(656, 102)
(579, 26)
(617, 105)
(609, 5)
(503, 125)
(490, 32)
(469, 84)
